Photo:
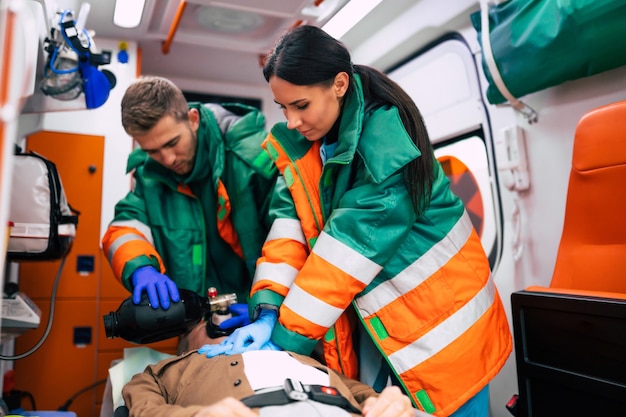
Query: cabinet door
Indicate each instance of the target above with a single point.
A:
(66, 362)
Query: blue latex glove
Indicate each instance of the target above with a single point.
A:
(270, 346)
(227, 349)
(240, 317)
(254, 336)
(158, 286)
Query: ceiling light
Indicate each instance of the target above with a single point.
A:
(348, 16)
(227, 20)
(128, 13)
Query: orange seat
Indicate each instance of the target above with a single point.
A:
(592, 252)
(570, 338)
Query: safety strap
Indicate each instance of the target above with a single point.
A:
(86, 57)
(294, 390)
(520, 106)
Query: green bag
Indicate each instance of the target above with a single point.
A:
(537, 44)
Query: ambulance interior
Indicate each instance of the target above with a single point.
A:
(540, 167)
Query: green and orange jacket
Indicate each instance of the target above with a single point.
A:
(346, 246)
(205, 230)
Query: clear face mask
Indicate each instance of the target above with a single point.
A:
(62, 79)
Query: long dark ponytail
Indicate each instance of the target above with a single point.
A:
(307, 55)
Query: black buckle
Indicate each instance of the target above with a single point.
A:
(294, 390)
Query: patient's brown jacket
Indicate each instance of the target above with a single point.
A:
(180, 386)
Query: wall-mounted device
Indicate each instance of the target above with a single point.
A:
(19, 314)
(510, 149)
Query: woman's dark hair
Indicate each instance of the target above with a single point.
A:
(306, 55)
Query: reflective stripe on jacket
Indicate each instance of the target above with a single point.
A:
(421, 286)
(163, 221)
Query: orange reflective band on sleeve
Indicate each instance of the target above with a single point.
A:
(284, 250)
(342, 282)
(224, 224)
(128, 250)
(268, 284)
(300, 325)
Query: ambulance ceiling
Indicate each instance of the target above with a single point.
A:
(221, 41)
(214, 40)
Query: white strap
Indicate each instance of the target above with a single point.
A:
(517, 242)
(528, 112)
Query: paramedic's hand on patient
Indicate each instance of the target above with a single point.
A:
(391, 402)
(240, 317)
(254, 336)
(158, 286)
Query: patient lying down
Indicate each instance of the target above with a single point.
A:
(272, 383)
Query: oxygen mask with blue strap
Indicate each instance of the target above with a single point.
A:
(72, 65)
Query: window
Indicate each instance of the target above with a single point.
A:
(443, 82)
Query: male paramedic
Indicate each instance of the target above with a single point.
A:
(197, 214)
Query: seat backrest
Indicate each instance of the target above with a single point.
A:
(592, 251)
(569, 339)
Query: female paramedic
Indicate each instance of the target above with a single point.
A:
(367, 236)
